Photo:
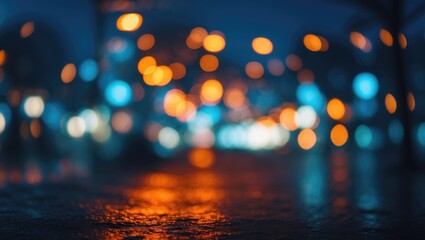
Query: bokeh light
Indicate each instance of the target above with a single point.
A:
(211, 92)
(306, 139)
(201, 157)
(88, 70)
(386, 37)
(76, 127)
(118, 93)
(34, 106)
(129, 22)
(275, 67)
(146, 42)
(390, 103)
(336, 109)
(254, 70)
(27, 29)
(68, 73)
(287, 118)
(262, 45)
(169, 138)
(214, 43)
(312, 42)
(209, 63)
(365, 85)
(178, 70)
(339, 135)
(2, 123)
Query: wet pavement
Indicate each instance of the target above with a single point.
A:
(339, 196)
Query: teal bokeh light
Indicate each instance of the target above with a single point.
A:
(365, 85)
(118, 93)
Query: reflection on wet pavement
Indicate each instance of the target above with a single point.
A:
(241, 196)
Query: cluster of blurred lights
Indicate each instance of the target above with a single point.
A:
(214, 112)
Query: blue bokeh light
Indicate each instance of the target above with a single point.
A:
(365, 85)
(396, 131)
(88, 70)
(118, 93)
(309, 94)
(421, 134)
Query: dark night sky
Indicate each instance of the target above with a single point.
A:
(240, 21)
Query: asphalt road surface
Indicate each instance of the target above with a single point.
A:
(243, 196)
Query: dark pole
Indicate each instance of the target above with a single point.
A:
(400, 75)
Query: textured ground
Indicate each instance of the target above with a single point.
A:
(242, 196)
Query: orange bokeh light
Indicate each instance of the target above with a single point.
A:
(211, 92)
(68, 73)
(312, 42)
(178, 69)
(306, 139)
(3, 57)
(27, 29)
(339, 135)
(146, 42)
(234, 98)
(390, 103)
(411, 101)
(146, 63)
(201, 158)
(254, 70)
(262, 45)
(336, 109)
(209, 63)
(386, 37)
(287, 119)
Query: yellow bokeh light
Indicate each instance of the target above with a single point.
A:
(214, 43)
(211, 92)
(386, 37)
(146, 42)
(312, 42)
(27, 29)
(339, 135)
(129, 22)
(201, 157)
(390, 103)
(68, 73)
(262, 45)
(411, 101)
(234, 98)
(159, 76)
(402, 40)
(146, 63)
(306, 139)
(178, 69)
(254, 70)
(287, 119)
(208, 63)
(172, 101)
(3, 57)
(336, 109)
